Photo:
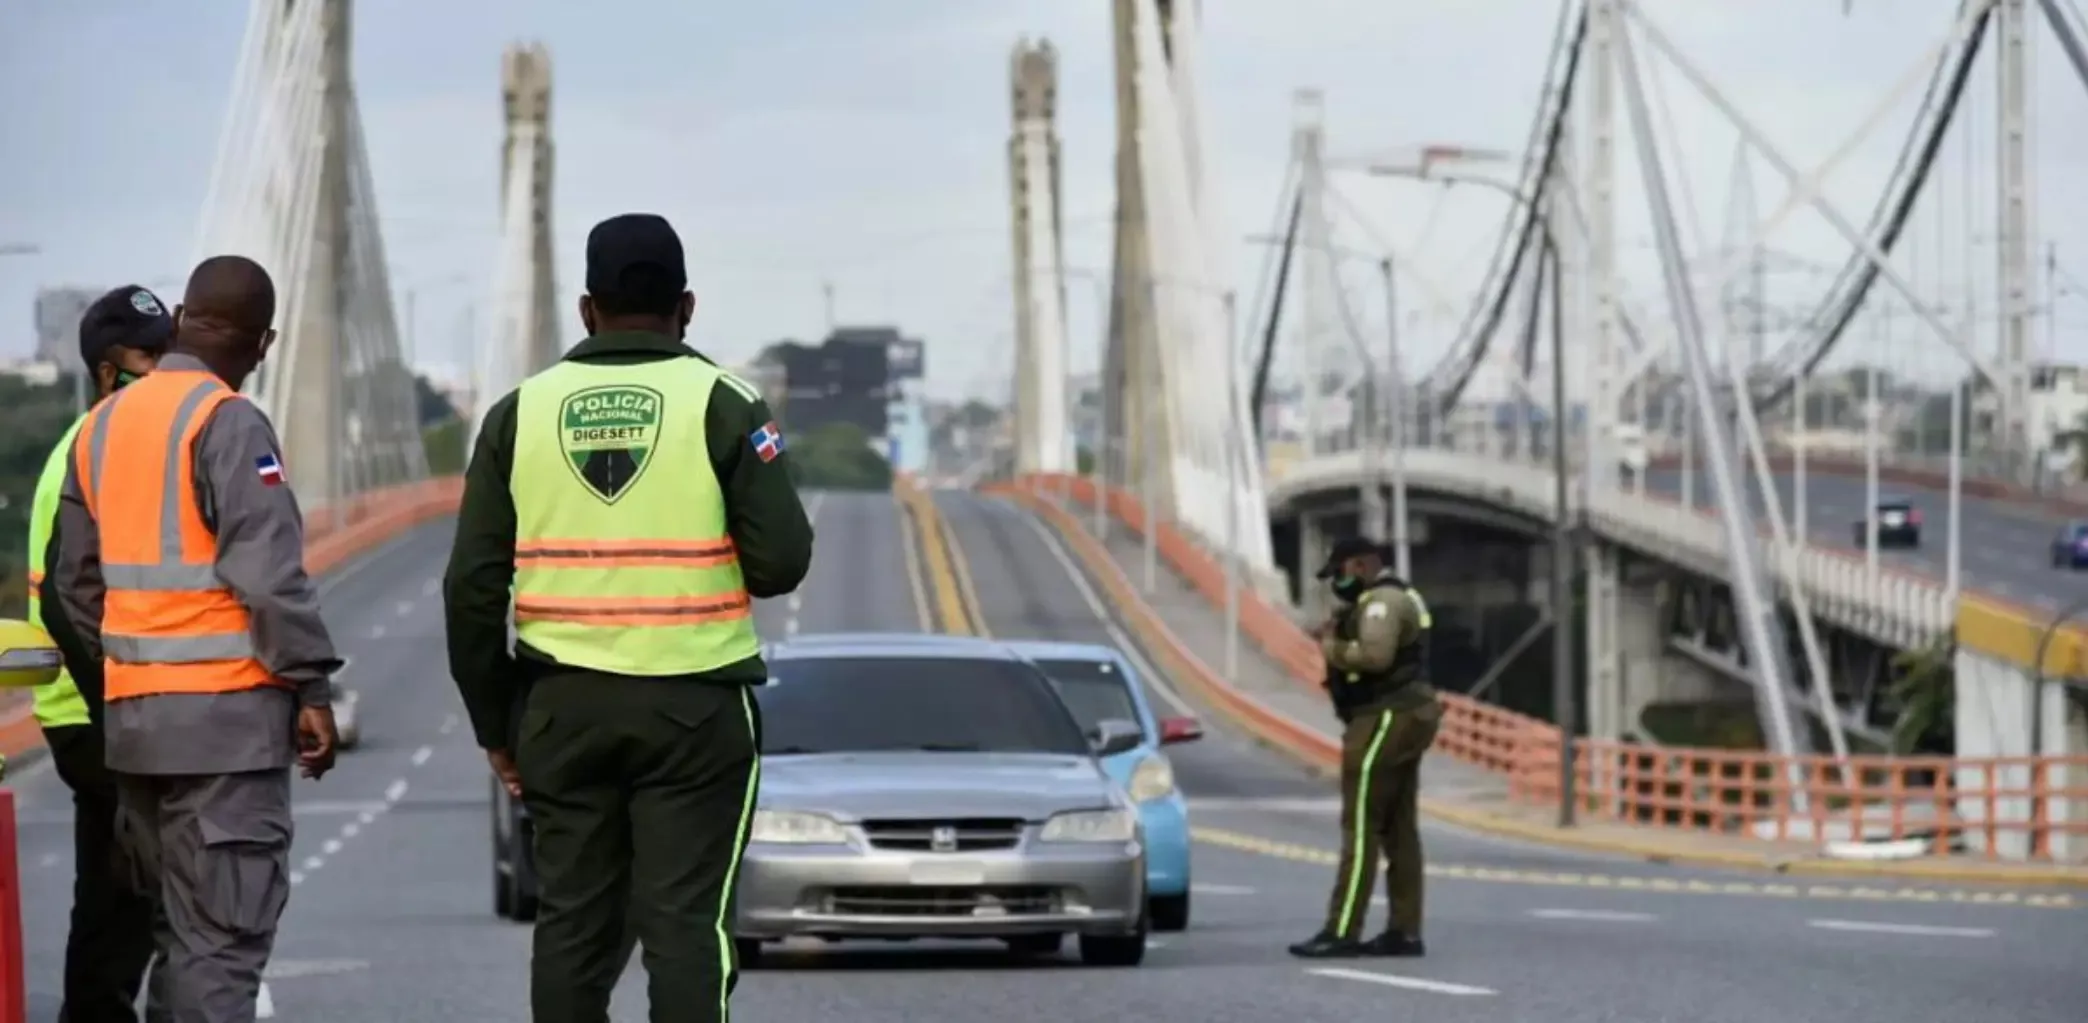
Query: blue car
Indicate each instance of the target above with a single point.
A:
(1099, 684)
(2070, 547)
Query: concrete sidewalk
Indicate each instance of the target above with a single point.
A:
(1470, 796)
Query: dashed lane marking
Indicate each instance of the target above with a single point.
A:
(1653, 883)
(405, 607)
(1912, 930)
(264, 1005)
(1441, 987)
(449, 724)
(366, 813)
(1220, 889)
(1613, 916)
(428, 588)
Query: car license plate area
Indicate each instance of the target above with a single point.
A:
(946, 872)
(979, 901)
(1893, 518)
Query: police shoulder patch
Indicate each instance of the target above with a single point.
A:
(1376, 610)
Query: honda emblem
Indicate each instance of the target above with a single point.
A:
(943, 839)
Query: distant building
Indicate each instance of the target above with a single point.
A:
(35, 371)
(58, 312)
(868, 377)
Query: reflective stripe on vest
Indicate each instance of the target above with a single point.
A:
(59, 704)
(622, 562)
(169, 625)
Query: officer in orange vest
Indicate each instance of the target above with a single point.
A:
(181, 563)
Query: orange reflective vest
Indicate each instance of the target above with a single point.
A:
(169, 625)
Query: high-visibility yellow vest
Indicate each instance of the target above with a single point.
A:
(58, 704)
(622, 561)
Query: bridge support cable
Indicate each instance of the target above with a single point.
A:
(1777, 378)
(1265, 360)
(291, 188)
(522, 336)
(1445, 384)
(1761, 627)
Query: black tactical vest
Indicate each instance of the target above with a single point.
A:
(1355, 690)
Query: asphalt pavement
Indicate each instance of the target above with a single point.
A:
(2006, 546)
(1569, 935)
(392, 922)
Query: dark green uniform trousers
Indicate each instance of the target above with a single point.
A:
(1381, 752)
(641, 792)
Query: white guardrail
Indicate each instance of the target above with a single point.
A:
(1894, 608)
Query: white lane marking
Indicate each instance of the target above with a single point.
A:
(404, 607)
(296, 878)
(1154, 679)
(790, 627)
(376, 632)
(313, 863)
(334, 808)
(48, 860)
(332, 846)
(428, 588)
(795, 603)
(1441, 987)
(421, 755)
(912, 553)
(1918, 930)
(1605, 915)
(1156, 942)
(1220, 889)
(449, 724)
(395, 790)
(264, 1006)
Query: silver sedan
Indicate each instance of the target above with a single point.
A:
(933, 787)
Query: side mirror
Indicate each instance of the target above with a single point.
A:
(1180, 729)
(1115, 736)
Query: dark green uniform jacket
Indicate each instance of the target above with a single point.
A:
(1378, 654)
(764, 517)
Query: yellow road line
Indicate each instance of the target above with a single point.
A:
(941, 578)
(962, 565)
(1257, 845)
(911, 550)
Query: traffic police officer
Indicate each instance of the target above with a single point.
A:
(109, 944)
(1376, 648)
(633, 498)
(181, 566)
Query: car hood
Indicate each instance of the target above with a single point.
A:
(855, 786)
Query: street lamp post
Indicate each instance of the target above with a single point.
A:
(1395, 376)
(1564, 526)
(1233, 455)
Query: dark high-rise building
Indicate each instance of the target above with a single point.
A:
(854, 376)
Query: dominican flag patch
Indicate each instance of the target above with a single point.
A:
(768, 441)
(270, 469)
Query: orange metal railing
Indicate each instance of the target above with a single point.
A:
(2017, 807)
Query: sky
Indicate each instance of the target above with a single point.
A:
(798, 144)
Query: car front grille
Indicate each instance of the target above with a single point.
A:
(931, 900)
(961, 834)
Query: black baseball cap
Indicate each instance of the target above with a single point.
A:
(619, 244)
(127, 317)
(1346, 548)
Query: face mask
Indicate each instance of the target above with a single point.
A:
(1348, 588)
(125, 378)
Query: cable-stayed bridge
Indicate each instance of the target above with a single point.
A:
(1712, 542)
(390, 918)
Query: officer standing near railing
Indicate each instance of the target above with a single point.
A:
(1376, 648)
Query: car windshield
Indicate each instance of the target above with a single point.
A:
(1096, 690)
(846, 704)
(1894, 504)
(2077, 531)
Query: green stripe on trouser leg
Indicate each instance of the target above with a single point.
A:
(1359, 852)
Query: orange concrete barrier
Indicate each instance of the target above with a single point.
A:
(1965, 802)
(333, 536)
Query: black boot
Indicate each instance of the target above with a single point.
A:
(1393, 943)
(1325, 945)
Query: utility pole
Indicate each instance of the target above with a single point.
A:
(827, 292)
(1395, 377)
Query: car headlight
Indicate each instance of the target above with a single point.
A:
(785, 827)
(1092, 826)
(1152, 779)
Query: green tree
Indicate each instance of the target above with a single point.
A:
(838, 456)
(443, 442)
(32, 418)
(1924, 687)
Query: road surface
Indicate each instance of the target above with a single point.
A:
(392, 921)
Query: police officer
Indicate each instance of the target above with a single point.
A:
(1376, 648)
(633, 498)
(181, 565)
(109, 945)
